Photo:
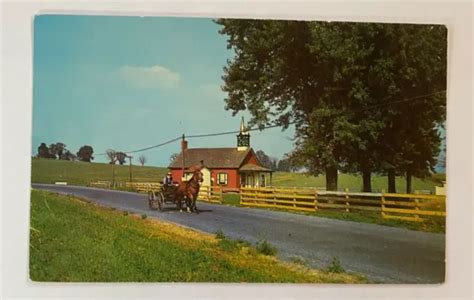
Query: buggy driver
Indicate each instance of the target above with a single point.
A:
(168, 180)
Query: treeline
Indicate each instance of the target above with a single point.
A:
(366, 98)
(275, 164)
(85, 153)
(59, 151)
(120, 157)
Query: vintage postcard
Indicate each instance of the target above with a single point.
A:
(185, 149)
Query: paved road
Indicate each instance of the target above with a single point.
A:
(383, 254)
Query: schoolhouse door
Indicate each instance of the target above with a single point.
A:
(206, 174)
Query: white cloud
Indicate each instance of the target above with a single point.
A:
(149, 77)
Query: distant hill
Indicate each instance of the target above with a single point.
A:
(82, 173)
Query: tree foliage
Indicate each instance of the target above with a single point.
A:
(85, 153)
(57, 150)
(142, 160)
(68, 155)
(173, 157)
(111, 155)
(353, 90)
(43, 151)
(267, 161)
(121, 157)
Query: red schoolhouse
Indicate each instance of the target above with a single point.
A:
(230, 168)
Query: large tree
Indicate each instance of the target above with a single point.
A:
(337, 82)
(411, 73)
(85, 153)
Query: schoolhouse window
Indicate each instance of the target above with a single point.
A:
(222, 178)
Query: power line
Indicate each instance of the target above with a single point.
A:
(407, 99)
(196, 136)
(148, 148)
(268, 127)
(155, 146)
(235, 131)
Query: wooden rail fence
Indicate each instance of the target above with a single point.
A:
(210, 194)
(408, 207)
(206, 193)
(144, 187)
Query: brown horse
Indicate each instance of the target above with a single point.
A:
(189, 190)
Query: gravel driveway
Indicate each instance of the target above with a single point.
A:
(383, 254)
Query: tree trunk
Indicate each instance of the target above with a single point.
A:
(331, 178)
(391, 181)
(408, 182)
(367, 184)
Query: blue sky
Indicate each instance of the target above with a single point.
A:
(129, 82)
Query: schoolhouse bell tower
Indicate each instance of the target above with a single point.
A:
(243, 138)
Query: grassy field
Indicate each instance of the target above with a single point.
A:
(75, 241)
(431, 224)
(354, 182)
(80, 173)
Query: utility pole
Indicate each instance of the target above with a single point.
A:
(183, 146)
(130, 169)
(113, 174)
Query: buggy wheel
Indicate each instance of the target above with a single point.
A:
(152, 201)
(160, 200)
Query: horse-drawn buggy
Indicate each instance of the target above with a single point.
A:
(186, 191)
(157, 199)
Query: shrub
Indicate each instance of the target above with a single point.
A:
(298, 260)
(243, 243)
(220, 234)
(266, 248)
(144, 216)
(335, 266)
(125, 213)
(228, 245)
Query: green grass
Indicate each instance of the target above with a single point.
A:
(433, 224)
(266, 248)
(231, 199)
(354, 182)
(75, 241)
(82, 173)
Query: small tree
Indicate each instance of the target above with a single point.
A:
(111, 154)
(68, 156)
(284, 165)
(173, 157)
(121, 157)
(265, 160)
(43, 151)
(142, 159)
(57, 150)
(85, 153)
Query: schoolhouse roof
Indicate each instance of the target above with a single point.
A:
(253, 167)
(226, 158)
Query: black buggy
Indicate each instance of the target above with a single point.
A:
(158, 198)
